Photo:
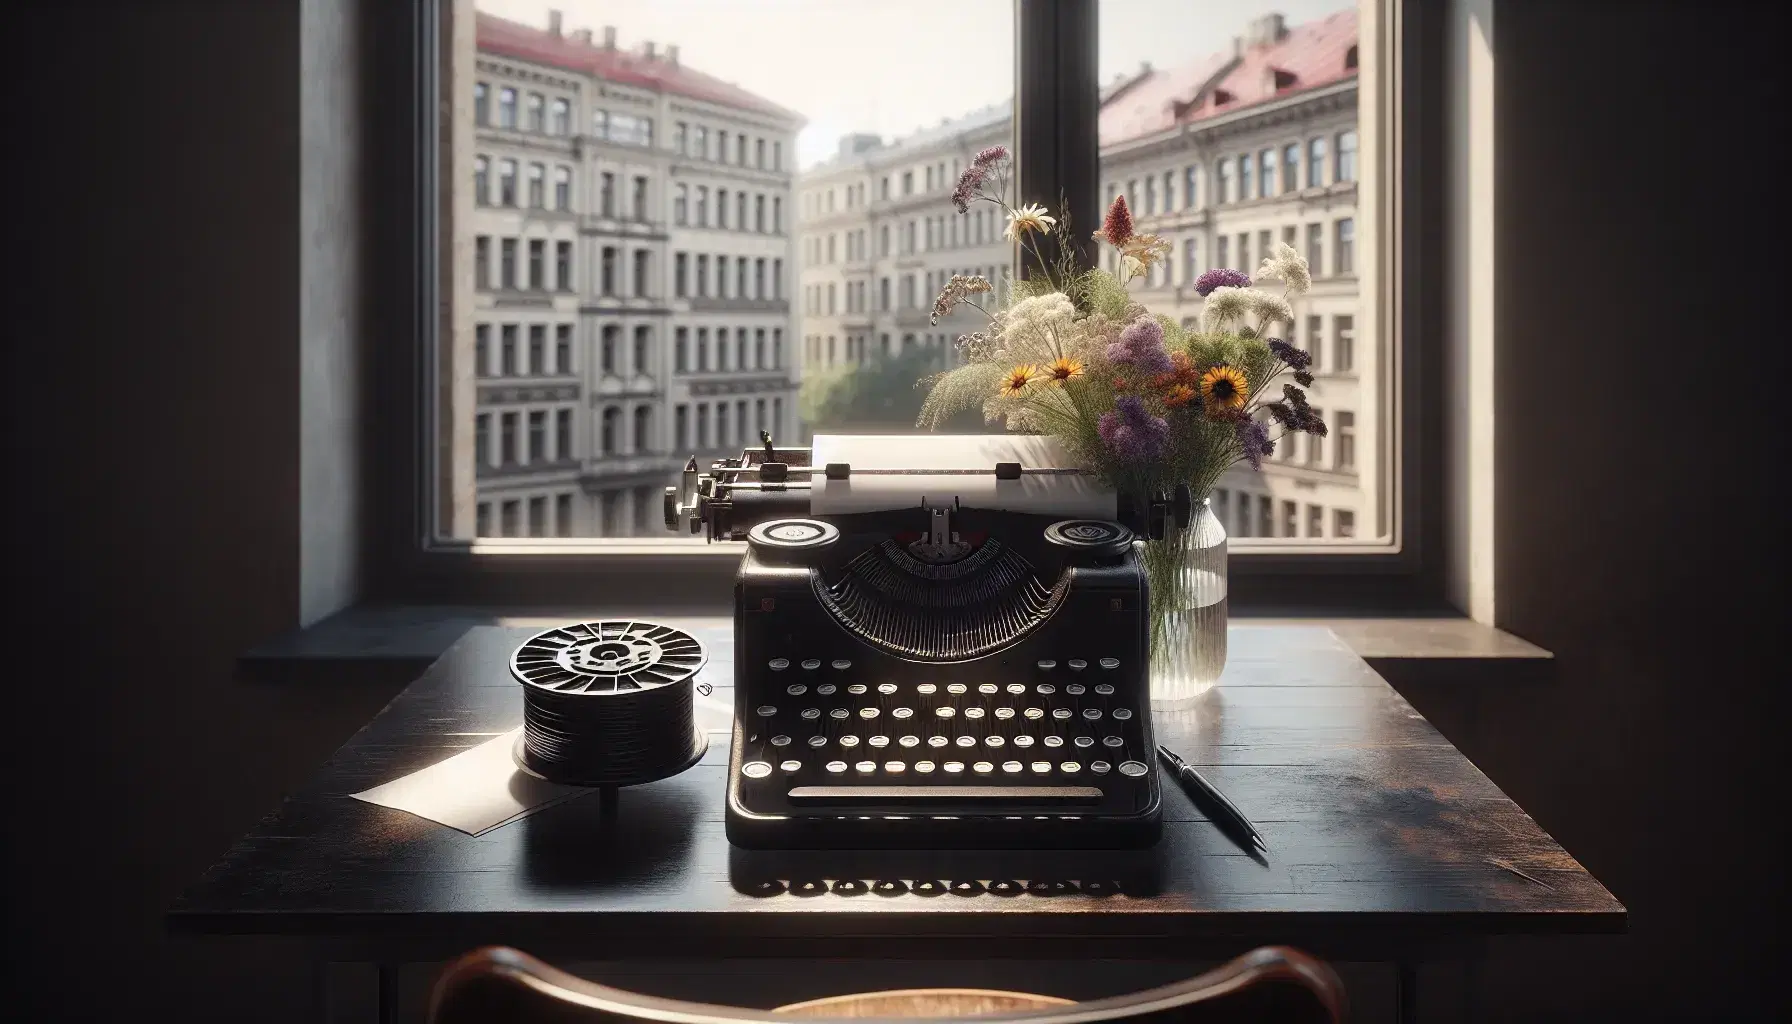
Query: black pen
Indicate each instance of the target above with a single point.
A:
(1197, 786)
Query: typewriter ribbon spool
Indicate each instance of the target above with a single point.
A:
(609, 703)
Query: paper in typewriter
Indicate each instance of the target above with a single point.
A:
(1073, 496)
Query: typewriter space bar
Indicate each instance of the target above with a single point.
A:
(944, 794)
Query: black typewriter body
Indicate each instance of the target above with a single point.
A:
(887, 696)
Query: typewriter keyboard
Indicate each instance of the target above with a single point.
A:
(1061, 737)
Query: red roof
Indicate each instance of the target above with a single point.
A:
(512, 39)
(1313, 54)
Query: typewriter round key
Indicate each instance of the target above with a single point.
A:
(924, 767)
(1034, 714)
(1017, 688)
(1122, 713)
(1113, 741)
(796, 689)
(910, 741)
(983, 767)
(1100, 767)
(1070, 767)
(849, 740)
(894, 767)
(856, 689)
(778, 664)
(994, 741)
(780, 741)
(841, 664)
(836, 766)
(986, 688)
(1013, 767)
(867, 767)
(967, 741)
(1074, 689)
(1047, 689)
(1109, 663)
(867, 713)
(937, 741)
(945, 712)
(755, 769)
(1041, 767)
(839, 714)
(953, 767)
(1023, 741)
(1085, 742)
(818, 741)
(954, 687)
(879, 741)
(792, 766)
(1061, 714)
(1054, 741)
(1105, 689)
(926, 688)
(1077, 664)
(1004, 713)
(1048, 664)
(886, 687)
(812, 664)
(825, 689)
(767, 711)
(1133, 769)
(903, 713)
(973, 712)
(1092, 714)
(811, 714)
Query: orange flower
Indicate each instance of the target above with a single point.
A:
(1178, 395)
(1063, 370)
(1018, 379)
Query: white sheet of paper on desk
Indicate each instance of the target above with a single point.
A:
(474, 791)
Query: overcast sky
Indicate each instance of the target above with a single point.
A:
(891, 66)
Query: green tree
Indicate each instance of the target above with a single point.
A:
(879, 396)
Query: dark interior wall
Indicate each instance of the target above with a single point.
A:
(152, 440)
(1640, 534)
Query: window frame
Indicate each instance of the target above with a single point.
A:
(411, 561)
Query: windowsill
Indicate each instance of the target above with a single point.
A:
(396, 643)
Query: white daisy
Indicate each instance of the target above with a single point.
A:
(1028, 218)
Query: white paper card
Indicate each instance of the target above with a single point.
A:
(474, 791)
(1073, 496)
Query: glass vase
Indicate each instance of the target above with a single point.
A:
(1187, 577)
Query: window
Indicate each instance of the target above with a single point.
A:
(680, 271)
(563, 515)
(507, 107)
(1346, 447)
(629, 130)
(606, 353)
(640, 273)
(607, 279)
(563, 266)
(777, 215)
(702, 211)
(481, 172)
(1316, 340)
(536, 105)
(1222, 246)
(1169, 189)
(562, 351)
(1315, 521)
(538, 436)
(700, 142)
(608, 433)
(482, 105)
(1343, 523)
(777, 279)
(1191, 188)
(1150, 196)
(1316, 444)
(1344, 247)
(1223, 185)
(1264, 240)
(1244, 251)
(702, 275)
(482, 439)
(1316, 248)
(507, 351)
(642, 335)
(740, 211)
(1291, 167)
(1290, 519)
(482, 262)
(680, 201)
(1266, 167)
(1315, 162)
(1347, 156)
(606, 194)
(777, 156)
(1191, 263)
(681, 428)
(482, 343)
(1266, 526)
(538, 349)
(740, 150)
(507, 439)
(562, 188)
(507, 264)
(560, 120)
(537, 261)
(507, 182)
(759, 214)
(721, 207)
(1244, 177)
(758, 152)
(681, 138)
(508, 517)
(1344, 335)
(643, 430)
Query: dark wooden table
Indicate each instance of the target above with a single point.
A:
(1386, 844)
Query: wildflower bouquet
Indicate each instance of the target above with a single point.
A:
(1135, 397)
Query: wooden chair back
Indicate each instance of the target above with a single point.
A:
(1269, 985)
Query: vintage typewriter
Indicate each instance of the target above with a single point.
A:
(940, 641)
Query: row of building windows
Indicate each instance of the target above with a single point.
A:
(718, 145)
(685, 213)
(749, 279)
(823, 300)
(524, 437)
(532, 275)
(1245, 514)
(748, 350)
(1246, 176)
(935, 177)
(512, 360)
(825, 350)
(554, 117)
(1343, 253)
(535, 195)
(745, 430)
(510, 521)
(979, 226)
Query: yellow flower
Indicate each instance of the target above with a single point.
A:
(1178, 395)
(1063, 370)
(1018, 378)
(1028, 218)
(1224, 389)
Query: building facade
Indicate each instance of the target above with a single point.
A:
(633, 262)
(1223, 158)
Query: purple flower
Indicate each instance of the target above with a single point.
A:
(1303, 378)
(1253, 441)
(989, 156)
(1141, 346)
(1295, 413)
(1131, 431)
(1294, 357)
(1220, 277)
(968, 182)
